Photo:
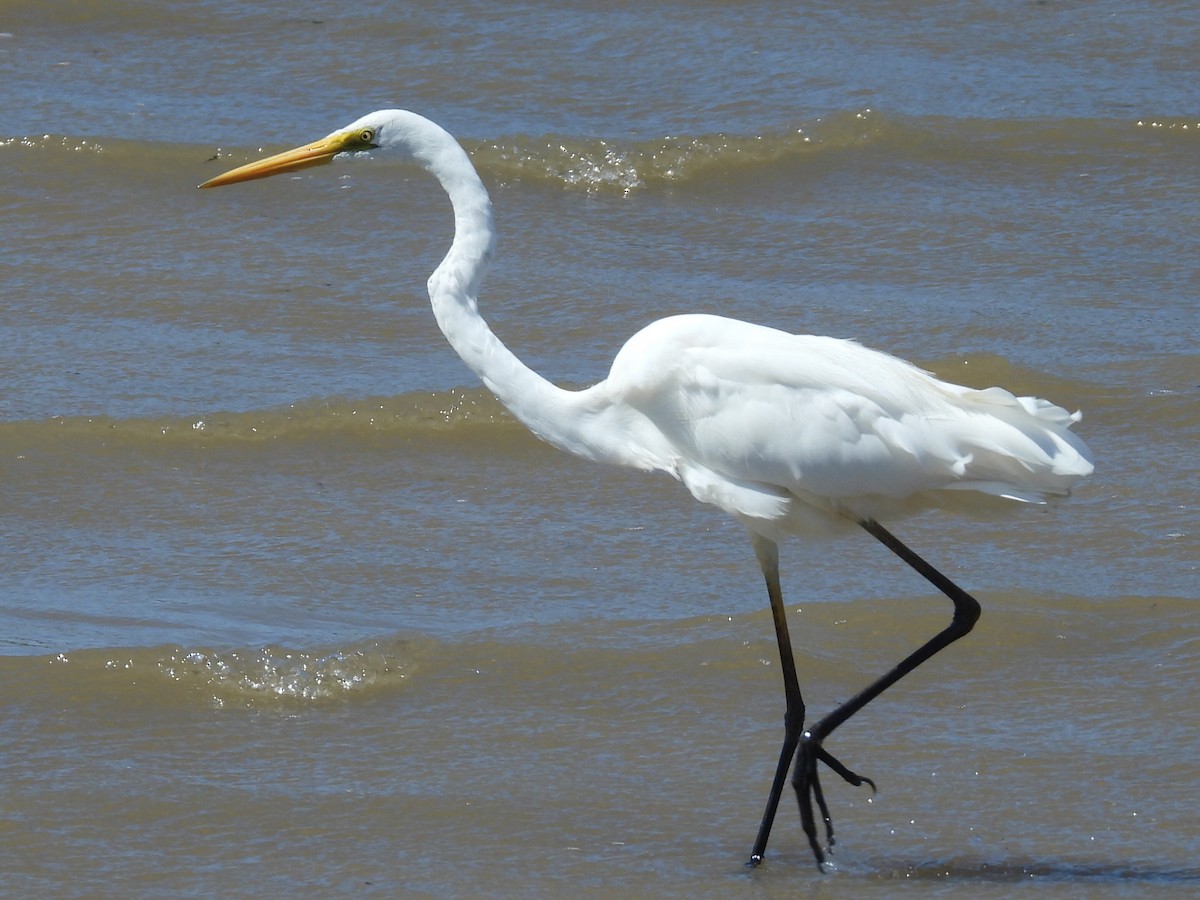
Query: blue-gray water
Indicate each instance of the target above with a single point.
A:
(290, 604)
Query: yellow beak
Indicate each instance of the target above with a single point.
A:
(315, 154)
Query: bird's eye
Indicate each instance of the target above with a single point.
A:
(367, 135)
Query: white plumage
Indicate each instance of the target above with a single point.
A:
(787, 433)
(759, 422)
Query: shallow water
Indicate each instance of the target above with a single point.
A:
(290, 603)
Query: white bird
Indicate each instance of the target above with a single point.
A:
(787, 433)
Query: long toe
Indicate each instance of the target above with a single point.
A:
(851, 777)
(809, 793)
(807, 783)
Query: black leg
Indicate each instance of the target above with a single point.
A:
(793, 721)
(810, 752)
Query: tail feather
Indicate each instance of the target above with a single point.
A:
(1021, 447)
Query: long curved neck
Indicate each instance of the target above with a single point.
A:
(541, 406)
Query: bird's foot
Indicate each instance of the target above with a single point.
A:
(808, 791)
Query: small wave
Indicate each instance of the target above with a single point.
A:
(262, 677)
(52, 143)
(273, 674)
(422, 412)
(605, 163)
(573, 161)
(599, 164)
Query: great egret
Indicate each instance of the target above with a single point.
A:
(786, 433)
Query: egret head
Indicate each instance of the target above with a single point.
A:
(394, 131)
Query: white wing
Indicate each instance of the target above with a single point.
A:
(753, 419)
